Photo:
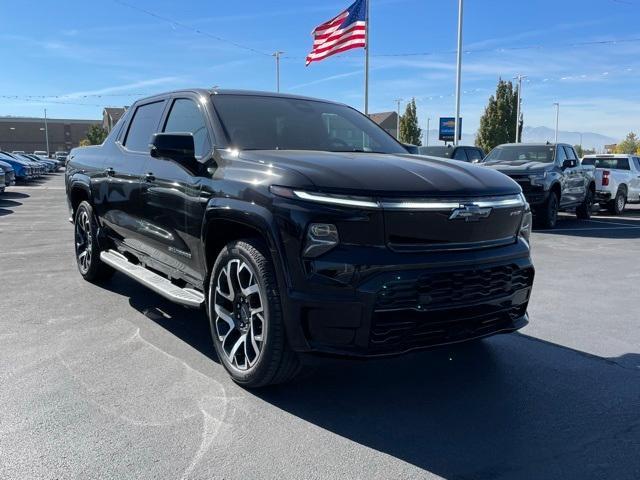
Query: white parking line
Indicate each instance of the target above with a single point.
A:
(615, 223)
(629, 227)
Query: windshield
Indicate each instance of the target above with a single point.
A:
(522, 154)
(276, 123)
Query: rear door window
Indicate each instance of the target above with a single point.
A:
(144, 124)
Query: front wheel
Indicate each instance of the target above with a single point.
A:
(87, 249)
(584, 210)
(547, 215)
(246, 317)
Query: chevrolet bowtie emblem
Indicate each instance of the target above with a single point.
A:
(470, 213)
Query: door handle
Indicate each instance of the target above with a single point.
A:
(109, 172)
(149, 177)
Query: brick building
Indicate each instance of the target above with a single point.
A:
(28, 134)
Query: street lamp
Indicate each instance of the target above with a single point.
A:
(398, 100)
(277, 54)
(557, 105)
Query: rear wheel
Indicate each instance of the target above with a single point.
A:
(616, 206)
(547, 215)
(583, 211)
(87, 249)
(246, 317)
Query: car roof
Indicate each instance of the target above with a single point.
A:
(535, 144)
(611, 155)
(248, 93)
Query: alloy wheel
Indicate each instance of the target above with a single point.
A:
(84, 241)
(239, 314)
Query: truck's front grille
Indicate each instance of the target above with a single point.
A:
(414, 329)
(448, 289)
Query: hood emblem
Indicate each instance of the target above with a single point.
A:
(470, 213)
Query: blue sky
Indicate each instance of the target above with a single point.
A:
(71, 51)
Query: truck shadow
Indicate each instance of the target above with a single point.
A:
(510, 406)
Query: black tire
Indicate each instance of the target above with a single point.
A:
(547, 215)
(273, 362)
(616, 206)
(584, 210)
(87, 247)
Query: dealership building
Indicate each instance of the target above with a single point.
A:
(28, 134)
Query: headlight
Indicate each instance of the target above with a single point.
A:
(321, 237)
(526, 224)
(326, 198)
(538, 178)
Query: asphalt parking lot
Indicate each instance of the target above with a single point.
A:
(112, 381)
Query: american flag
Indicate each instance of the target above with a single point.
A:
(345, 31)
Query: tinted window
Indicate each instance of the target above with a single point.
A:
(571, 155)
(276, 123)
(474, 155)
(522, 153)
(444, 152)
(144, 124)
(460, 155)
(636, 160)
(608, 162)
(562, 156)
(186, 117)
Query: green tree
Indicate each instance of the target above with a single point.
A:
(410, 132)
(84, 142)
(96, 135)
(579, 150)
(498, 123)
(631, 144)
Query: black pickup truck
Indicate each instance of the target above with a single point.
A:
(300, 226)
(551, 178)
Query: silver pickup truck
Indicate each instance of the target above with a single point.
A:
(617, 180)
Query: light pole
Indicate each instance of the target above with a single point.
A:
(458, 72)
(46, 132)
(277, 54)
(11, 130)
(428, 125)
(398, 100)
(518, 109)
(557, 105)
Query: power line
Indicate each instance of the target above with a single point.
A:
(190, 28)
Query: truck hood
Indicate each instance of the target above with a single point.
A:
(386, 174)
(510, 167)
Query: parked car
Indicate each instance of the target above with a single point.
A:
(41, 168)
(462, 152)
(551, 178)
(52, 165)
(9, 173)
(617, 180)
(23, 169)
(41, 153)
(61, 157)
(18, 152)
(306, 226)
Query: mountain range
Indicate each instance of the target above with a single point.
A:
(590, 140)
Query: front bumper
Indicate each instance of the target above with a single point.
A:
(401, 302)
(603, 197)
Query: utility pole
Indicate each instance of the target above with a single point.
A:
(519, 108)
(398, 100)
(367, 47)
(428, 125)
(557, 105)
(277, 54)
(46, 133)
(458, 72)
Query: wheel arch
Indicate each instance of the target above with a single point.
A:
(79, 190)
(230, 219)
(557, 189)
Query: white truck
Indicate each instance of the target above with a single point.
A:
(617, 180)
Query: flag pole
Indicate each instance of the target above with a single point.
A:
(458, 73)
(366, 61)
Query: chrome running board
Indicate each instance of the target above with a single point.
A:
(157, 283)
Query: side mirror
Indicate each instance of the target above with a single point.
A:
(173, 146)
(569, 163)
